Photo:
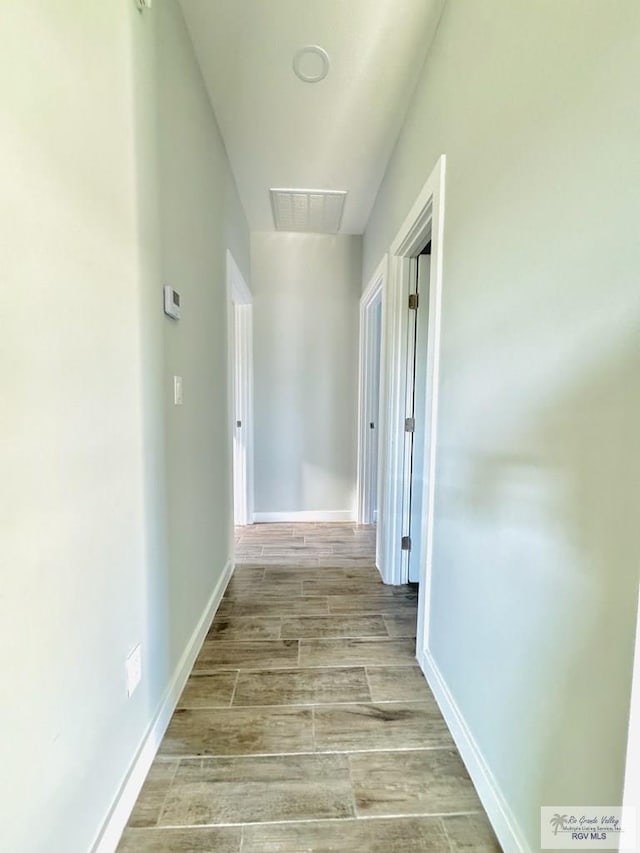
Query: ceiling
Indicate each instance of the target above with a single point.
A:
(336, 134)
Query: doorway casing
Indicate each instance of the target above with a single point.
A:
(631, 798)
(424, 221)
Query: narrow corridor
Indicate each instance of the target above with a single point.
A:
(306, 724)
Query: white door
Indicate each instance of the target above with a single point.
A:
(239, 450)
(240, 317)
(415, 426)
(373, 423)
(241, 396)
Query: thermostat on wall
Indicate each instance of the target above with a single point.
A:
(171, 302)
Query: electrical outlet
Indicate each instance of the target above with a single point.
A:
(134, 669)
(177, 390)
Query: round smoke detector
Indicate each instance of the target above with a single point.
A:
(311, 63)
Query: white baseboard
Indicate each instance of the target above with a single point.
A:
(118, 815)
(502, 819)
(334, 515)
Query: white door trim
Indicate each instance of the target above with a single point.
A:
(425, 220)
(631, 797)
(240, 301)
(372, 293)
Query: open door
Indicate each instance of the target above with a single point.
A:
(419, 444)
(423, 226)
(415, 425)
(373, 411)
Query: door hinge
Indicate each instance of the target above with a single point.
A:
(409, 424)
(413, 301)
(406, 543)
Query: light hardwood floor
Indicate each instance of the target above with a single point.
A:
(306, 724)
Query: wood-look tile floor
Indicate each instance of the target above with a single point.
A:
(306, 724)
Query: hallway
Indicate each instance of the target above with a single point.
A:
(306, 267)
(306, 724)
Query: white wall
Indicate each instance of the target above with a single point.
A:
(201, 218)
(94, 461)
(536, 531)
(306, 291)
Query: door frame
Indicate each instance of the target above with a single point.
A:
(631, 796)
(425, 219)
(373, 293)
(240, 312)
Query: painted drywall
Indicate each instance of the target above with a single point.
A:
(246, 49)
(536, 537)
(201, 217)
(306, 290)
(115, 508)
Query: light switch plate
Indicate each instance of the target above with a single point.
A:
(177, 390)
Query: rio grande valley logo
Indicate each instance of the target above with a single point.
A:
(587, 828)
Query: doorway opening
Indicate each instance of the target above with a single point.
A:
(410, 397)
(240, 302)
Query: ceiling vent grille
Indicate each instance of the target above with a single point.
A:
(316, 211)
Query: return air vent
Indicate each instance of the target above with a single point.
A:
(317, 211)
